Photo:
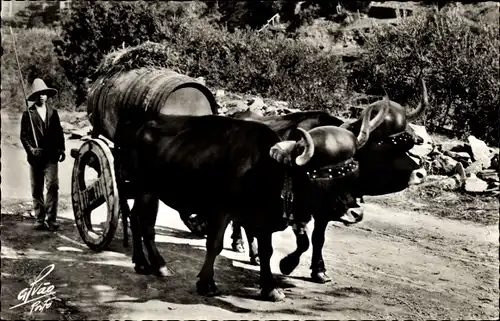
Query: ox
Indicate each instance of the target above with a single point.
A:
(187, 162)
(384, 166)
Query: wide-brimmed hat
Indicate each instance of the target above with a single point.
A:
(39, 87)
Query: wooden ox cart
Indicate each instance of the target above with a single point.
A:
(143, 93)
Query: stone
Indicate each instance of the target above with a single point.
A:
(220, 93)
(67, 127)
(422, 132)
(443, 182)
(77, 134)
(456, 155)
(489, 175)
(475, 185)
(236, 105)
(474, 168)
(449, 164)
(480, 151)
(281, 104)
(459, 169)
(256, 103)
(201, 80)
(426, 147)
(422, 150)
(454, 146)
(223, 110)
(436, 166)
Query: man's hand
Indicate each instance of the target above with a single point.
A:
(62, 156)
(37, 152)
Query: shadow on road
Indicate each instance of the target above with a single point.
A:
(96, 285)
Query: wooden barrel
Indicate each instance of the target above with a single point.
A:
(140, 94)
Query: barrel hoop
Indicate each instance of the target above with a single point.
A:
(140, 90)
(156, 83)
(140, 73)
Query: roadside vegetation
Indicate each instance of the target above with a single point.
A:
(460, 59)
(457, 52)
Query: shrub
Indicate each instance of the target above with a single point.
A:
(37, 59)
(461, 67)
(242, 61)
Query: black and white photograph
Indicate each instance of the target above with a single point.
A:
(246, 160)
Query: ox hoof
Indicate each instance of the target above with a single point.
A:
(254, 260)
(238, 247)
(288, 264)
(320, 277)
(207, 288)
(164, 272)
(274, 295)
(144, 269)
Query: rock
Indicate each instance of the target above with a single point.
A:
(443, 182)
(256, 103)
(474, 168)
(449, 164)
(427, 146)
(223, 110)
(480, 152)
(281, 104)
(77, 134)
(436, 166)
(454, 146)
(220, 93)
(422, 133)
(489, 175)
(422, 150)
(459, 169)
(236, 105)
(462, 157)
(201, 80)
(67, 127)
(475, 185)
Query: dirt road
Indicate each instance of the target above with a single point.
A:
(394, 264)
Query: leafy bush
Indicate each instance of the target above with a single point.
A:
(241, 61)
(37, 59)
(461, 67)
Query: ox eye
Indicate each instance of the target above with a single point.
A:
(419, 175)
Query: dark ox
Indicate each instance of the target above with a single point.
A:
(384, 167)
(188, 162)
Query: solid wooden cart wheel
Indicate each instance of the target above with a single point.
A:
(96, 154)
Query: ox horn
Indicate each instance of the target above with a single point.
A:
(422, 105)
(308, 144)
(368, 125)
(283, 151)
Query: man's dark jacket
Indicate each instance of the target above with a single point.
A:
(49, 135)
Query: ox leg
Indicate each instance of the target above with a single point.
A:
(252, 244)
(269, 291)
(141, 264)
(215, 242)
(292, 260)
(318, 274)
(237, 244)
(148, 222)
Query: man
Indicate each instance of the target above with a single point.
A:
(43, 140)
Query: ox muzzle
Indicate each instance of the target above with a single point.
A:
(400, 144)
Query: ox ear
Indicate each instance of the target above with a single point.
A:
(283, 152)
(149, 133)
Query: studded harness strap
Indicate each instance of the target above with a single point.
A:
(340, 170)
(402, 141)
